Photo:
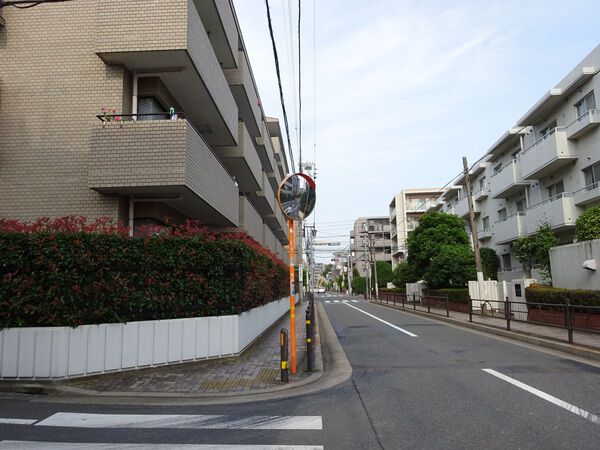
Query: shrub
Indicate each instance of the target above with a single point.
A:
(587, 226)
(459, 295)
(404, 273)
(69, 272)
(537, 293)
(384, 273)
(359, 285)
(536, 248)
(490, 263)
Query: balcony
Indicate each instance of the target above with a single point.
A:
(587, 195)
(507, 181)
(547, 155)
(462, 208)
(435, 206)
(584, 124)
(484, 234)
(163, 159)
(242, 161)
(266, 154)
(177, 50)
(559, 212)
(511, 228)
(481, 194)
(264, 199)
(250, 220)
(244, 91)
(219, 22)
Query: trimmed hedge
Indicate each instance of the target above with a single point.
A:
(459, 295)
(395, 290)
(56, 275)
(537, 293)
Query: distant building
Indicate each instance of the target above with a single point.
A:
(405, 210)
(375, 230)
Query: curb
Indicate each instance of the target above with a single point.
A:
(575, 350)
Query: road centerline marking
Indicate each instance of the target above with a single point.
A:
(549, 398)
(402, 330)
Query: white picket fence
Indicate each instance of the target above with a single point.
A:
(64, 352)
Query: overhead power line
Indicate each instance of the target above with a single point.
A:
(285, 119)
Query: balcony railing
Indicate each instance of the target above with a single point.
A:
(507, 181)
(510, 228)
(557, 211)
(588, 194)
(546, 155)
(583, 124)
(484, 233)
(462, 209)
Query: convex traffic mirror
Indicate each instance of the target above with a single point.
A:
(297, 196)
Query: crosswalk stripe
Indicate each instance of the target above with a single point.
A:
(336, 301)
(327, 301)
(85, 420)
(354, 301)
(34, 445)
(17, 421)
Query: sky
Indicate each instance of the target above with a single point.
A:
(396, 92)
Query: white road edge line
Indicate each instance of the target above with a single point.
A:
(17, 421)
(402, 330)
(557, 401)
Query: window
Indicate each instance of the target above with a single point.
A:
(584, 105)
(498, 168)
(486, 223)
(482, 183)
(549, 129)
(502, 214)
(521, 205)
(555, 189)
(592, 174)
(506, 262)
(149, 105)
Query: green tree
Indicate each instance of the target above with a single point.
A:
(587, 226)
(435, 231)
(384, 273)
(535, 249)
(490, 263)
(404, 273)
(453, 266)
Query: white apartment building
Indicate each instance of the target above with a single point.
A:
(406, 208)
(373, 232)
(545, 169)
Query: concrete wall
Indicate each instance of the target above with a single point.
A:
(64, 352)
(566, 262)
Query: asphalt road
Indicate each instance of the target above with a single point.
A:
(416, 383)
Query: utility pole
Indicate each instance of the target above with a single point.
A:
(472, 221)
(367, 261)
(375, 270)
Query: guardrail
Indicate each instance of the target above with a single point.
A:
(430, 302)
(571, 319)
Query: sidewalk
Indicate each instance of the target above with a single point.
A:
(256, 371)
(585, 344)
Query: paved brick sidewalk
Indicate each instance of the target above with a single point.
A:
(256, 370)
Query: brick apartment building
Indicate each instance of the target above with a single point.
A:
(217, 158)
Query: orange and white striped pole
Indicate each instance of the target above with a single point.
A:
(291, 253)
